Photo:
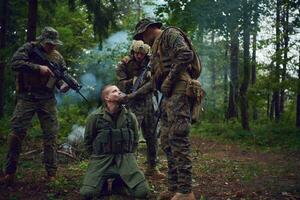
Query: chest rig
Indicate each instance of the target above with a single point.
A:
(112, 140)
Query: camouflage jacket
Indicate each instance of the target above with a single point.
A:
(129, 68)
(30, 84)
(171, 55)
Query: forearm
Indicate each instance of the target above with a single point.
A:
(145, 89)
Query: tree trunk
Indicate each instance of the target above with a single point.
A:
(278, 61)
(234, 50)
(245, 83)
(285, 52)
(32, 20)
(253, 69)
(225, 80)
(213, 71)
(3, 26)
(298, 97)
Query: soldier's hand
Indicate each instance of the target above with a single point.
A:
(64, 87)
(166, 87)
(44, 70)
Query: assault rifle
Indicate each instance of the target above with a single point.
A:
(60, 73)
(158, 115)
(137, 84)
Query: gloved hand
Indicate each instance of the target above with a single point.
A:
(166, 87)
(128, 97)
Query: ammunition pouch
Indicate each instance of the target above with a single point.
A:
(113, 141)
(196, 93)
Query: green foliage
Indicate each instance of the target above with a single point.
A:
(264, 135)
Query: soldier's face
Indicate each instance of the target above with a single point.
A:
(113, 94)
(139, 56)
(149, 36)
(48, 47)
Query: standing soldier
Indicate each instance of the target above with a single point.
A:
(140, 101)
(175, 70)
(35, 87)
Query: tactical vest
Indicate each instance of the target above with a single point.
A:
(163, 61)
(113, 140)
(29, 82)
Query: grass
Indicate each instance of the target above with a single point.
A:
(268, 136)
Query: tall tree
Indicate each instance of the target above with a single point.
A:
(213, 70)
(298, 97)
(3, 26)
(246, 74)
(253, 62)
(32, 19)
(286, 39)
(278, 62)
(234, 57)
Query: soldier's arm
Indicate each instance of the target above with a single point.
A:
(90, 132)
(145, 89)
(124, 81)
(135, 128)
(20, 60)
(182, 53)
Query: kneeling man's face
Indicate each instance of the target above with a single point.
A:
(113, 94)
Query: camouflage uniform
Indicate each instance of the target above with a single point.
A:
(35, 94)
(142, 103)
(171, 57)
(111, 141)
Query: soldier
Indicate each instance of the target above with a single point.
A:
(111, 138)
(35, 87)
(140, 101)
(175, 70)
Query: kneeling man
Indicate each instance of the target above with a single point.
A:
(111, 138)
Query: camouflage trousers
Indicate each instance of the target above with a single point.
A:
(175, 127)
(21, 121)
(145, 114)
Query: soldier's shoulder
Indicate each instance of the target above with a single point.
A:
(171, 31)
(28, 46)
(126, 59)
(171, 34)
(123, 62)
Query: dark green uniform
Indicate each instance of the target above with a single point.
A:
(35, 94)
(142, 103)
(111, 140)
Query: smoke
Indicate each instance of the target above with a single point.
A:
(98, 67)
(76, 136)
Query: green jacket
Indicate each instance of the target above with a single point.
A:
(125, 164)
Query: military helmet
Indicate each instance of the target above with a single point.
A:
(139, 46)
(142, 26)
(49, 35)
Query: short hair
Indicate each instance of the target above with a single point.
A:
(104, 92)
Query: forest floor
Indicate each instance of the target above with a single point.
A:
(220, 171)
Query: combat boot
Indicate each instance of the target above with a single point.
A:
(154, 173)
(166, 195)
(181, 196)
(8, 179)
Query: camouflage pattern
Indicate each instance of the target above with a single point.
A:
(142, 27)
(141, 104)
(30, 85)
(50, 35)
(35, 94)
(21, 122)
(104, 166)
(172, 67)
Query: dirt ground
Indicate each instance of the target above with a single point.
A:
(220, 171)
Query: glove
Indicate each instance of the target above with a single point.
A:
(128, 97)
(166, 87)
